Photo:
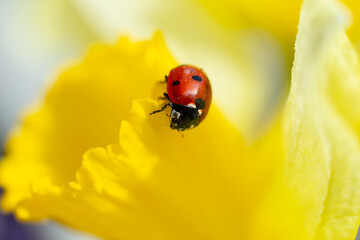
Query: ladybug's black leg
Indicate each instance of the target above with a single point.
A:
(166, 79)
(166, 96)
(162, 109)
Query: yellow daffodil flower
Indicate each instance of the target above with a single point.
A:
(90, 156)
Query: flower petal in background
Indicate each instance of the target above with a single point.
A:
(36, 36)
(321, 123)
(278, 17)
(353, 29)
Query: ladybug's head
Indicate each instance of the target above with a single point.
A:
(184, 117)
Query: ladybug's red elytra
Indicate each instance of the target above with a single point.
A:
(189, 95)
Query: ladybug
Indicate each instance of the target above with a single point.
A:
(189, 95)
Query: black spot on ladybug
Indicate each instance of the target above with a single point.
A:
(200, 103)
(176, 83)
(197, 78)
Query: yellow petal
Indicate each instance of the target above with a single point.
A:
(278, 17)
(96, 92)
(322, 148)
(171, 187)
(353, 29)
